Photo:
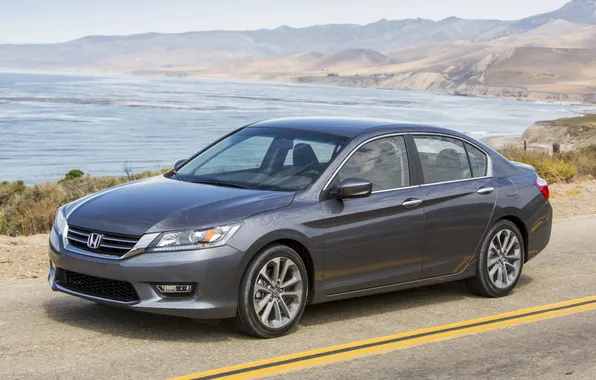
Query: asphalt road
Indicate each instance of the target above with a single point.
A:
(51, 335)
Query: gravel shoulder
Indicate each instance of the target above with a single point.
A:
(25, 257)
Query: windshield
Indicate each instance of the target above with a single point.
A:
(277, 159)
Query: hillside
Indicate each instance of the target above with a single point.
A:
(570, 133)
(549, 56)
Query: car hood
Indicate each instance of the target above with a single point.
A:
(161, 204)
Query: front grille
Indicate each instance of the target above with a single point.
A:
(111, 244)
(96, 286)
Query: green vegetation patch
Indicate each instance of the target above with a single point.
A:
(581, 121)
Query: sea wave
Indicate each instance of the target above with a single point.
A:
(49, 117)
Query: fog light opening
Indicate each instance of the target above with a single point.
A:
(175, 290)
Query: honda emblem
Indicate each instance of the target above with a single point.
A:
(93, 241)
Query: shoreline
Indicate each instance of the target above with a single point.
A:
(484, 90)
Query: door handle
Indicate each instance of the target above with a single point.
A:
(485, 190)
(412, 202)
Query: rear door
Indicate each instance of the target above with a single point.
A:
(377, 240)
(459, 199)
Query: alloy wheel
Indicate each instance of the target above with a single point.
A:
(277, 292)
(504, 259)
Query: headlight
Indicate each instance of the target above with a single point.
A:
(58, 229)
(60, 221)
(193, 239)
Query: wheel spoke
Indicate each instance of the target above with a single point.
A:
(266, 313)
(506, 241)
(277, 313)
(261, 288)
(498, 240)
(492, 248)
(513, 267)
(492, 272)
(284, 270)
(513, 256)
(505, 276)
(284, 307)
(290, 282)
(499, 274)
(292, 294)
(492, 262)
(264, 276)
(510, 245)
(276, 267)
(262, 303)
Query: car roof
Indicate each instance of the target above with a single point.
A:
(346, 126)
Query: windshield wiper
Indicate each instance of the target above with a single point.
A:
(220, 183)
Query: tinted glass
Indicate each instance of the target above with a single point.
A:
(443, 159)
(265, 158)
(478, 161)
(247, 154)
(383, 162)
(323, 150)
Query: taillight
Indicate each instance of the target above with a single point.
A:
(542, 185)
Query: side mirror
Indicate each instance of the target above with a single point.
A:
(179, 163)
(353, 188)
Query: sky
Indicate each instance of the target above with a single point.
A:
(44, 21)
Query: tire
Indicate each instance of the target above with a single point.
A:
(490, 280)
(271, 298)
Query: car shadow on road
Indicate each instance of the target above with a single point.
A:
(391, 302)
(131, 324)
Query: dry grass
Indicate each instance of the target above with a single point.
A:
(557, 168)
(26, 210)
(582, 121)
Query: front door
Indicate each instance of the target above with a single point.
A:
(377, 240)
(459, 199)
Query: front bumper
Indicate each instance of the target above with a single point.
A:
(214, 271)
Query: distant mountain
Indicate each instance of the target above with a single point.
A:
(581, 12)
(199, 50)
(457, 55)
(576, 11)
(213, 48)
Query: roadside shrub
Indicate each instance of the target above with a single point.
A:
(554, 169)
(585, 160)
(74, 173)
(28, 210)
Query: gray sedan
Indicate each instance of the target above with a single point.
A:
(295, 211)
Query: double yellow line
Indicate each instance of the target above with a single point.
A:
(393, 342)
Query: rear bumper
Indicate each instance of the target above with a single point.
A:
(213, 272)
(540, 228)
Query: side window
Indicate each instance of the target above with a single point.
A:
(383, 162)
(253, 152)
(478, 160)
(443, 159)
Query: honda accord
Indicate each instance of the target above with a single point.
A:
(283, 213)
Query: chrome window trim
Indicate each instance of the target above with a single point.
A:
(138, 248)
(454, 181)
(489, 161)
(395, 189)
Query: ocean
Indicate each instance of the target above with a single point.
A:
(101, 124)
